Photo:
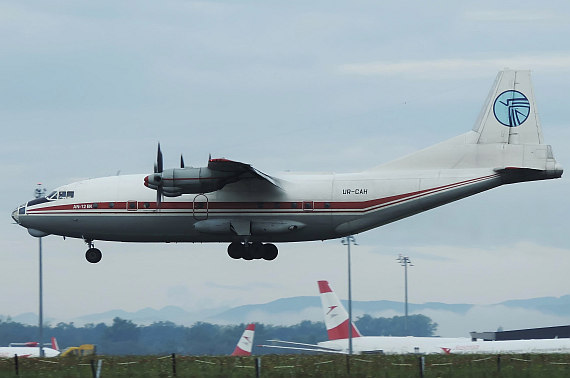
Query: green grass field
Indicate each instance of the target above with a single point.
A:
(551, 365)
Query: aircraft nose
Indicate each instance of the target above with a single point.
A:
(19, 211)
(15, 216)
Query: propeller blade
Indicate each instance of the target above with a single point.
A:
(158, 197)
(159, 160)
(181, 161)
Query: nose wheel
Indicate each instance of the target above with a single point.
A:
(93, 255)
(252, 251)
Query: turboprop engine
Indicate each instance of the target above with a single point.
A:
(174, 182)
(177, 181)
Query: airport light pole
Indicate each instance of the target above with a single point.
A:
(346, 241)
(38, 193)
(405, 261)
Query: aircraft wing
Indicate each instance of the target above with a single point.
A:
(317, 350)
(301, 346)
(242, 170)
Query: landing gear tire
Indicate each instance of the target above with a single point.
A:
(93, 255)
(257, 250)
(270, 252)
(252, 251)
(247, 254)
(235, 250)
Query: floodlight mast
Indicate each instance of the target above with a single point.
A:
(346, 241)
(38, 193)
(405, 261)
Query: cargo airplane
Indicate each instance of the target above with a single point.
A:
(337, 320)
(232, 202)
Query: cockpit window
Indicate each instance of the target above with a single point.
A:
(62, 194)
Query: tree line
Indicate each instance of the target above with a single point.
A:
(124, 337)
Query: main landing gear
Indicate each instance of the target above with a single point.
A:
(93, 255)
(251, 251)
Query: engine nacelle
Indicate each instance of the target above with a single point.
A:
(176, 181)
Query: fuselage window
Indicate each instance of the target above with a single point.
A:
(62, 195)
(70, 194)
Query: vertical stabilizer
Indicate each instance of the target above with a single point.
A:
(336, 317)
(245, 343)
(54, 344)
(509, 115)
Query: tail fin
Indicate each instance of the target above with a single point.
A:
(507, 135)
(336, 317)
(509, 114)
(54, 343)
(245, 343)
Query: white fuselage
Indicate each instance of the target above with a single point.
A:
(8, 352)
(306, 207)
(443, 345)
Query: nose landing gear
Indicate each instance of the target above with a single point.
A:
(251, 251)
(93, 255)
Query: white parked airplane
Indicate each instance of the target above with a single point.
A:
(30, 349)
(233, 202)
(336, 322)
(245, 343)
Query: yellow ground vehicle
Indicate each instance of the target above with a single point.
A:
(82, 350)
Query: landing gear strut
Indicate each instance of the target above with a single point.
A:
(93, 255)
(251, 251)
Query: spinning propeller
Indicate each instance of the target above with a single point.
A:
(157, 177)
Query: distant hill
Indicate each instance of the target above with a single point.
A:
(241, 314)
(454, 319)
(551, 305)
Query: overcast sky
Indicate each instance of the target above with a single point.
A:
(87, 89)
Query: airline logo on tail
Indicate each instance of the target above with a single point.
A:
(245, 343)
(511, 108)
(330, 309)
(336, 317)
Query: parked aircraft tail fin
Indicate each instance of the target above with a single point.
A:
(245, 343)
(336, 317)
(54, 343)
